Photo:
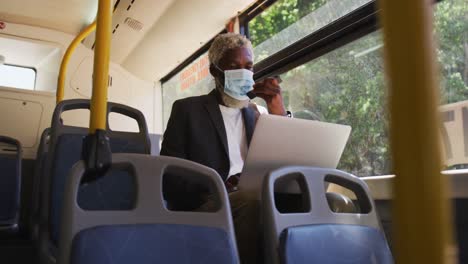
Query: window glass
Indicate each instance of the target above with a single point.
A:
(346, 86)
(452, 33)
(195, 79)
(288, 21)
(17, 77)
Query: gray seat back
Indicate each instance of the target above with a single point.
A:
(320, 235)
(65, 150)
(10, 183)
(155, 149)
(39, 170)
(149, 213)
(126, 142)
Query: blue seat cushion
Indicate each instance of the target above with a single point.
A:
(337, 244)
(67, 153)
(115, 191)
(9, 188)
(152, 243)
(124, 145)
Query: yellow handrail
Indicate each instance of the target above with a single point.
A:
(66, 58)
(423, 232)
(101, 67)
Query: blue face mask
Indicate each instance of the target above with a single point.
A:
(237, 83)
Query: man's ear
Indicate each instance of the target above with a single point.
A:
(217, 74)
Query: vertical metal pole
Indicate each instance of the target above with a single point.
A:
(101, 67)
(423, 232)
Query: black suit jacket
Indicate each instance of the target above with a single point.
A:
(195, 131)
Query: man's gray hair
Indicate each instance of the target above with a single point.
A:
(225, 42)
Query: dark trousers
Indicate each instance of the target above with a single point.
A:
(246, 216)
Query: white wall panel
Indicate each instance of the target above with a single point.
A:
(126, 89)
(21, 119)
(24, 115)
(66, 16)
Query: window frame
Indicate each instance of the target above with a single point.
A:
(354, 25)
(340, 32)
(250, 13)
(351, 27)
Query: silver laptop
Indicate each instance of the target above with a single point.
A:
(280, 141)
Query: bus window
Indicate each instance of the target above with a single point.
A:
(17, 77)
(288, 21)
(194, 79)
(347, 85)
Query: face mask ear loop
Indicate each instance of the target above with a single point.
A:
(216, 80)
(218, 68)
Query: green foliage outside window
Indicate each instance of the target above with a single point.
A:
(347, 85)
(279, 16)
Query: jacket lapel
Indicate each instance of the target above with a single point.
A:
(212, 107)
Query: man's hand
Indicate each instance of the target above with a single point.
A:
(231, 183)
(270, 91)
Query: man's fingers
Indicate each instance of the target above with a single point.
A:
(265, 96)
(269, 82)
(272, 81)
(267, 90)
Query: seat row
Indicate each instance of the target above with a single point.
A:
(10, 184)
(150, 233)
(122, 216)
(60, 148)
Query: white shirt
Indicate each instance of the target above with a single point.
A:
(236, 137)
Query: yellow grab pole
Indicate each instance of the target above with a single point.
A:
(421, 208)
(101, 67)
(66, 58)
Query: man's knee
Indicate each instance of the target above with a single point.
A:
(244, 208)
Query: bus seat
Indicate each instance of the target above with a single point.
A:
(10, 183)
(65, 150)
(320, 235)
(39, 170)
(155, 144)
(149, 233)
